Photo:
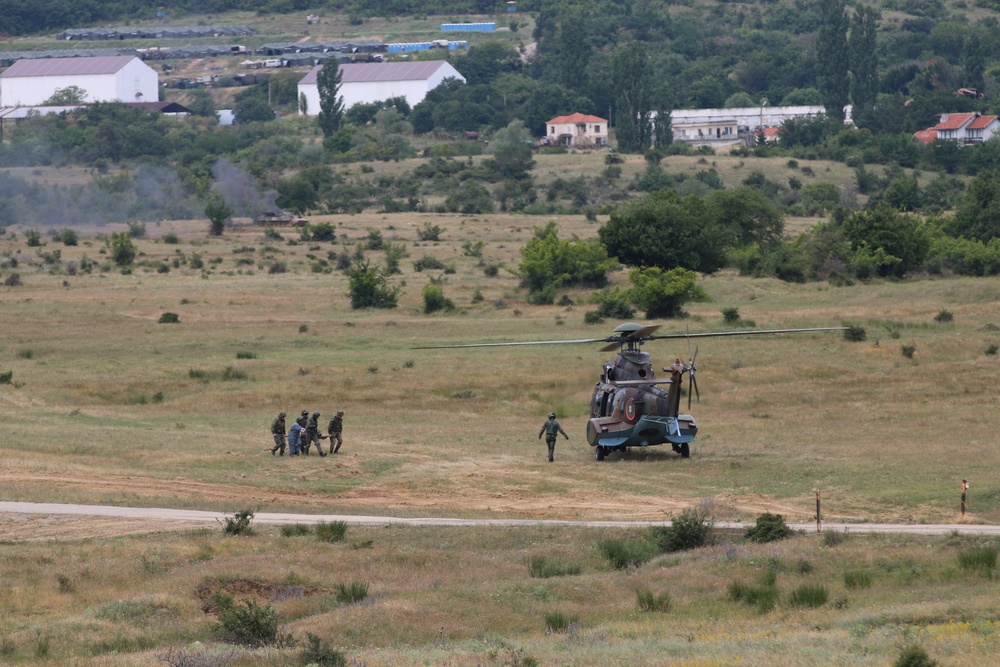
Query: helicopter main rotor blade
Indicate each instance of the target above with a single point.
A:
(530, 342)
(752, 332)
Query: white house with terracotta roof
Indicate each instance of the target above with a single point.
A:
(577, 130)
(29, 83)
(364, 83)
(963, 128)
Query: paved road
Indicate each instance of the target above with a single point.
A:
(165, 514)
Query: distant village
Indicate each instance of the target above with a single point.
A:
(369, 74)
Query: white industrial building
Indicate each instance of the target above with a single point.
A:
(364, 83)
(105, 79)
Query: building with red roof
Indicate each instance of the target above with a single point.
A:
(963, 128)
(577, 129)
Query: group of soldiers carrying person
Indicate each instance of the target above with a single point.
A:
(305, 432)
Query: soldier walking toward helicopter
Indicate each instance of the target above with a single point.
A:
(278, 431)
(551, 429)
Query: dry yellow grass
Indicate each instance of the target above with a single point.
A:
(452, 432)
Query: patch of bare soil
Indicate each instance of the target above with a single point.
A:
(212, 591)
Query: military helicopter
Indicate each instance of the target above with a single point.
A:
(628, 408)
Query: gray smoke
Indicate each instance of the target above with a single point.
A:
(239, 190)
(153, 193)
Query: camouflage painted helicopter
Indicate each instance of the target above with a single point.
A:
(628, 408)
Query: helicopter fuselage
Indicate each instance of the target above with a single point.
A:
(630, 409)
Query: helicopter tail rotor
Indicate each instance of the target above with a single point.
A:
(692, 382)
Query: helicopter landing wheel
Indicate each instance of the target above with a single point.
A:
(601, 453)
(685, 450)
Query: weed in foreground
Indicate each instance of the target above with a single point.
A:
(65, 583)
(296, 530)
(978, 559)
(333, 531)
(855, 579)
(809, 595)
(7, 646)
(914, 656)
(691, 530)
(319, 652)
(178, 657)
(541, 567)
(625, 552)
(556, 621)
(233, 374)
(352, 593)
(763, 596)
(769, 528)
(650, 602)
(249, 624)
(832, 538)
(240, 523)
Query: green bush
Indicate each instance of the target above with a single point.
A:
(809, 595)
(231, 373)
(169, 318)
(556, 621)
(246, 354)
(249, 624)
(332, 531)
(914, 656)
(68, 237)
(541, 567)
(369, 288)
(296, 529)
(990, 350)
(549, 264)
(908, 350)
(663, 293)
(649, 602)
(7, 377)
(769, 528)
(429, 232)
(857, 579)
(944, 316)
(854, 334)
(978, 559)
(123, 251)
(319, 652)
(832, 538)
(691, 530)
(428, 262)
(626, 552)
(763, 595)
(239, 523)
(352, 593)
(435, 300)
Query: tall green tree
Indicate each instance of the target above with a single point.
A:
(978, 215)
(864, 63)
(217, 212)
(832, 60)
(632, 76)
(331, 104)
(666, 230)
(974, 61)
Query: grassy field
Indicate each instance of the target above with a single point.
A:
(107, 405)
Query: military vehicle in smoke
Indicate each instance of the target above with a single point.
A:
(280, 219)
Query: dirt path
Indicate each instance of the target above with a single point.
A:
(35, 521)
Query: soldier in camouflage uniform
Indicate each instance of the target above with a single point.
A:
(278, 431)
(551, 429)
(335, 430)
(312, 434)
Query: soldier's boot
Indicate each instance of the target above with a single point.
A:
(337, 449)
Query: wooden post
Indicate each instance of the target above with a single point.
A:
(819, 522)
(965, 490)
